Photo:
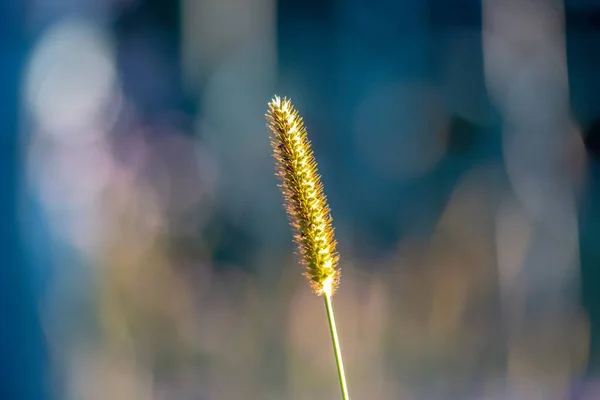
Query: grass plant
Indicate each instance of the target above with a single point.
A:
(307, 210)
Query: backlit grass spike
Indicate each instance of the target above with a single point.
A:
(304, 199)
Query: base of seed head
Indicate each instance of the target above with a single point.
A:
(326, 286)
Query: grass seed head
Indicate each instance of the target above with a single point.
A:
(303, 195)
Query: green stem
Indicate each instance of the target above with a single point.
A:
(336, 347)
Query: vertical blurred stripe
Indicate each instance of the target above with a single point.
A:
(213, 31)
(526, 73)
(583, 33)
(21, 343)
(229, 65)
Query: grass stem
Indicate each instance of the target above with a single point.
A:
(336, 347)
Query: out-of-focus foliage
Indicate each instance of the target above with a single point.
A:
(451, 152)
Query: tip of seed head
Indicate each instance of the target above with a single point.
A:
(276, 101)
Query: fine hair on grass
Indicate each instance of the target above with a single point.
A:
(307, 210)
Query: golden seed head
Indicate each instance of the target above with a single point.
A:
(304, 199)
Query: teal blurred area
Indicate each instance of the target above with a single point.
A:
(146, 250)
(22, 365)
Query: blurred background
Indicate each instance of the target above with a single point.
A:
(145, 250)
